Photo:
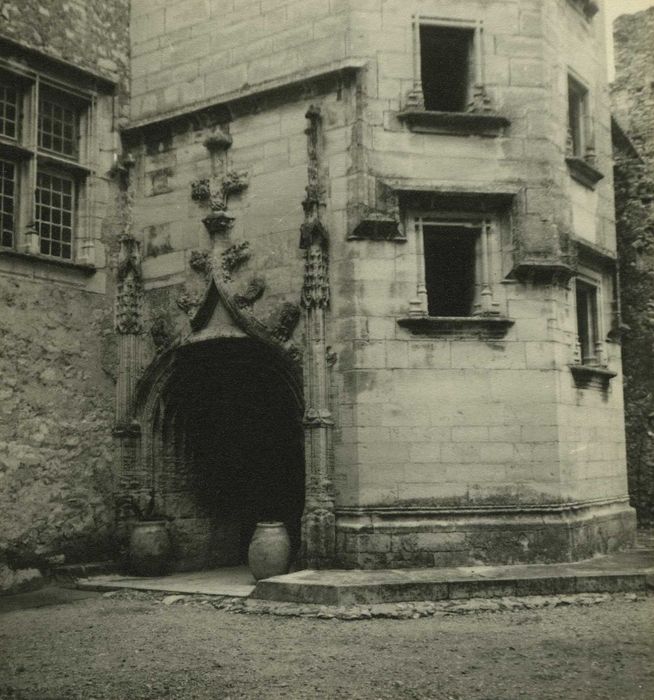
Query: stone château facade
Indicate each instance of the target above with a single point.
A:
(362, 257)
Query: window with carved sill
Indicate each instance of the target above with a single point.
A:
(589, 366)
(448, 95)
(580, 149)
(456, 256)
(44, 138)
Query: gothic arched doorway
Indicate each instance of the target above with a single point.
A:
(227, 449)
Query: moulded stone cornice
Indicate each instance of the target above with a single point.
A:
(583, 172)
(458, 326)
(455, 123)
(223, 104)
(84, 268)
(594, 253)
(542, 271)
(591, 376)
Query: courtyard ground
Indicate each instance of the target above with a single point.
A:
(59, 644)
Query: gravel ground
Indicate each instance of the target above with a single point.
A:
(133, 646)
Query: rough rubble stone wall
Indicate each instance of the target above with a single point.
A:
(91, 34)
(56, 327)
(55, 423)
(633, 103)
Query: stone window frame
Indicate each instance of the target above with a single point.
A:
(580, 155)
(593, 371)
(30, 159)
(485, 318)
(479, 116)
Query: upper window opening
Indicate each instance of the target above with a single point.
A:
(58, 128)
(8, 111)
(577, 118)
(450, 269)
(446, 64)
(587, 322)
(43, 173)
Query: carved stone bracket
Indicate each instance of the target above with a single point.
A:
(378, 217)
(218, 140)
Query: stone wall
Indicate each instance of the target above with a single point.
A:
(57, 347)
(189, 52)
(57, 368)
(633, 105)
(91, 34)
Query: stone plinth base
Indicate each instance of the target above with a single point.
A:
(387, 538)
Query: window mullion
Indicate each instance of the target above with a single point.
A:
(30, 237)
(419, 306)
(486, 305)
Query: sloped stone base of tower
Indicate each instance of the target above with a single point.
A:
(383, 538)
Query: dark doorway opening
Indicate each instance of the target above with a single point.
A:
(234, 450)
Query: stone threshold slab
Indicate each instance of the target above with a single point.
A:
(627, 571)
(235, 582)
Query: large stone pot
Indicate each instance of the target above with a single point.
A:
(149, 548)
(269, 553)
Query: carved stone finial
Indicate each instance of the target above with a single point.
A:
(414, 100)
(232, 258)
(480, 103)
(252, 293)
(129, 294)
(200, 190)
(569, 144)
(217, 191)
(287, 321)
(200, 261)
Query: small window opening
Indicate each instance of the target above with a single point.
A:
(577, 111)
(587, 327)
(446, 65)
(450, 264)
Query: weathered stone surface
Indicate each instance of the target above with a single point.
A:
(633, 104)
(90, 34)
(56, 454)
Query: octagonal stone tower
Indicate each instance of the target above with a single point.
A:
(378, 261)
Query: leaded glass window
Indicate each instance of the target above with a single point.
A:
(7, 202)
(8, 111)
(55, 194)
(58, 126)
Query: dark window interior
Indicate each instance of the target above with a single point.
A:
(450, 269)
(445, 60)
(587, 321)
(576, 115)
